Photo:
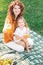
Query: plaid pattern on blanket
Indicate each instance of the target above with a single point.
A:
(34, 57)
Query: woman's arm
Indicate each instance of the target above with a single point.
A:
(7, 35)
(5, 25)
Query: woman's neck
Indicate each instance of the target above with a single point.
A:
(15, 16)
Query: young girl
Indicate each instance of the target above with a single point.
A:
(21, 34)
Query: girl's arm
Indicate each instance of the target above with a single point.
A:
(27, 35)
(17, 37)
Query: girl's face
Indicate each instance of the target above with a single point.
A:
(17, 10)
(21, 23)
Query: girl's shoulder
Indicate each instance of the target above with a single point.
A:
(17, 28)
(26, 28)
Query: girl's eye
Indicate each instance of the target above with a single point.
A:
(15, 8)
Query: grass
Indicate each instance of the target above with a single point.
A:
(33, 14)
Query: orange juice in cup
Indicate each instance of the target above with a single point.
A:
(9, 29)
(26, 35)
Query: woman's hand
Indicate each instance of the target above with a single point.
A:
(4, 30)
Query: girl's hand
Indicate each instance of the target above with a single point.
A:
(26, 36)
(17, 37)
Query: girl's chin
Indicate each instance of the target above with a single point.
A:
(21, 27)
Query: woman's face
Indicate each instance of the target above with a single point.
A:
(16, 10)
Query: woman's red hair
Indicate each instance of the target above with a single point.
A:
(11, 6)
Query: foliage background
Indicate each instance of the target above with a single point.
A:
(33, 14)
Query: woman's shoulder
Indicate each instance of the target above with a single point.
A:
(8, 17)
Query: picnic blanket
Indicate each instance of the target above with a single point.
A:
(34, 57)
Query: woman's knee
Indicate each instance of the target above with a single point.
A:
(15, 46)
(20, 48)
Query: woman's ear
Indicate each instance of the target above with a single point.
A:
(13, 9)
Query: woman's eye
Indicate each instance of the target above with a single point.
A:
(18, 8)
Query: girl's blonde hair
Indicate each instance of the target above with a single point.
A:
(26, 25)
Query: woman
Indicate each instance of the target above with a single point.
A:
(15, 10)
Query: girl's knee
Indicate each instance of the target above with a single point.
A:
(30, 41)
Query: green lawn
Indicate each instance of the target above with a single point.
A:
(33, 14)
